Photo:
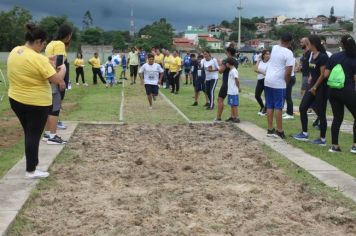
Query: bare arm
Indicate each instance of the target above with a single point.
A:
(58, 78)
(256, 67)
(238, 83)
(288, 73)
(320, 79)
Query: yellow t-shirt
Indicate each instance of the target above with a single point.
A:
(175, 64)
(28, 73)
(167, 61)
(95, 62)
(159, 59)
(78, 62)
(133, 56)
(55, 48)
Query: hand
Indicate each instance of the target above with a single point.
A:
(52, 60)
(62, 67)
(62, 85)
(313, 91)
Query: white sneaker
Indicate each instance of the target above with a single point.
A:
(85, 84)
(150, 108)
(77, 84)
(37, 174)
(288, 117)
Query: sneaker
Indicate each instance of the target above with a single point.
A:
(280, 134)
(228, 120)
(318, 141)
(217, 120)
(77, 84)
(271, 133)
(353, 149)
(334, 149)
(195, 104)
(150, 108)
(210, 108)
(45, 137)
(85, 84)
(287, 117)
(56, 140)
(37, 174)
(207, 104)
(310, 112)
(301, 137)
(235, 120)
(60, 125)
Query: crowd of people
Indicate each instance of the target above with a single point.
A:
(38, 83)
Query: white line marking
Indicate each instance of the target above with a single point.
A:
(121, 116)
(174, 107)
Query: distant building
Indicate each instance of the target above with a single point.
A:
(216, 31)
(333, 37)
(193, 33)
(183, 44)
(212, 43)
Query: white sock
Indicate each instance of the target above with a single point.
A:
(47, 132)
(323, 139)
(305, 133)
(52, 135)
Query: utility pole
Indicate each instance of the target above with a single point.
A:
(239, 8)
(132, 23)
(355, 20)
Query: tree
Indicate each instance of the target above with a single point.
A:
(12, 27)
(50, 24)
(297, 31)
(225, 24)
(332, 18)
(346, 25)
(87, 20)
(203, 44)
(92, 36)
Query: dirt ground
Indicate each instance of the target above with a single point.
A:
(176, 180)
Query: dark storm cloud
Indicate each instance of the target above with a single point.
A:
(115, 14)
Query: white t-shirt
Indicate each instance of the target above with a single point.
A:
(151, 73)
(214, 64)
(281, 58)
(262, 67)
(232, 88)
(116, 59)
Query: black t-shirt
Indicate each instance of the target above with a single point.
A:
(314, 67)
(304, 61)
(195, 65)
(226, 72)
(348, 65)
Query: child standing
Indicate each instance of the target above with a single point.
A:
(123, 65)
(109, 72)
(198, 78)
(233, 91)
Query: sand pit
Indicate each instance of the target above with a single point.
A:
(176, 180)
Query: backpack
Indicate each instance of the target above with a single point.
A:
(337, 77)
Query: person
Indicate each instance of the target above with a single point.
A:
(174, 72)
(317, 92)
(109, 72)
(230, 52)
(159, 57)
(346, 94)
(151, 75)
(95, 63)
(277, 77)
(211, 68)
(187, 63)
(79, 69)
(198, 78)
(123, 65)
(289, 115)
(142, 56)
(57, 48)
(30, 93)
(233, 90)
(168, 58)
(304, 65)
(132, 61)
(261, 68)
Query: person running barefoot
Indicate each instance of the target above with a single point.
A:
(151, 75)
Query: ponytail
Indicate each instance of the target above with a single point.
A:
(34, 33)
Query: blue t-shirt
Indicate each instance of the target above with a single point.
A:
(123, 61)
(348, 65)
(142, 57)
(109, 69)
(195, 66)
(187, 62)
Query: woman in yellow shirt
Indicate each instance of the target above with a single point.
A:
(175, 66)
(95, 63)
(79, 69)
(30, 93)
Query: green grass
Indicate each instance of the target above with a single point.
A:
(9, 156)
(345, 161)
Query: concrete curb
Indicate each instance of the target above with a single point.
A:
(15, 189)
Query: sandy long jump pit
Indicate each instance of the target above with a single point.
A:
(176, 180)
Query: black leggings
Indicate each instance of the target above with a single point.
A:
(79, 71)
(210, 86)
(260, 86)
(33, 120)
(174, 81)
(338, 100)
(289, 99)
(96, 71)
(320, 102)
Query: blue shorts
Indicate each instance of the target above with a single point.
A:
(233, 100)
(110, 79)
(151, 89)
(199, 84)
(124, 68)
(275, 98)
(187, 71)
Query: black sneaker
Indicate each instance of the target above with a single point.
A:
(353, 149)
(210, 108)
(235, 120)
(45, 137)
(195, 104)
(281, 134)
(207, 104)
(56, 140)
(228, 120)
(271, 133)
(334, 149)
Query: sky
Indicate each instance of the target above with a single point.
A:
(115, 14)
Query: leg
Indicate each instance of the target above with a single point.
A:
(212, 91)
(220, 107)
(77, 72)
(94, 76)
(350, 101)
(307, 100)
(289, 96)
(338, 113)
(101, 77)
(258, 92)
(278, 115)
(270, 118)
(171, 78)
(176, 80)
(132, 74)
(320, 109)
(208, 89)
(82, 75)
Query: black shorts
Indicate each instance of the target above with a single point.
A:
(133, 70)
(199, 85)
(223, 92)
(151, 89)
(187, 71)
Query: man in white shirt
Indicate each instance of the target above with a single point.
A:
(151, 74)
(277, 76)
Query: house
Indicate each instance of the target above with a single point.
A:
(332, 37)
(183, 44)
(211, 42)
(216, 31)
(193, 33)
(291, 21)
